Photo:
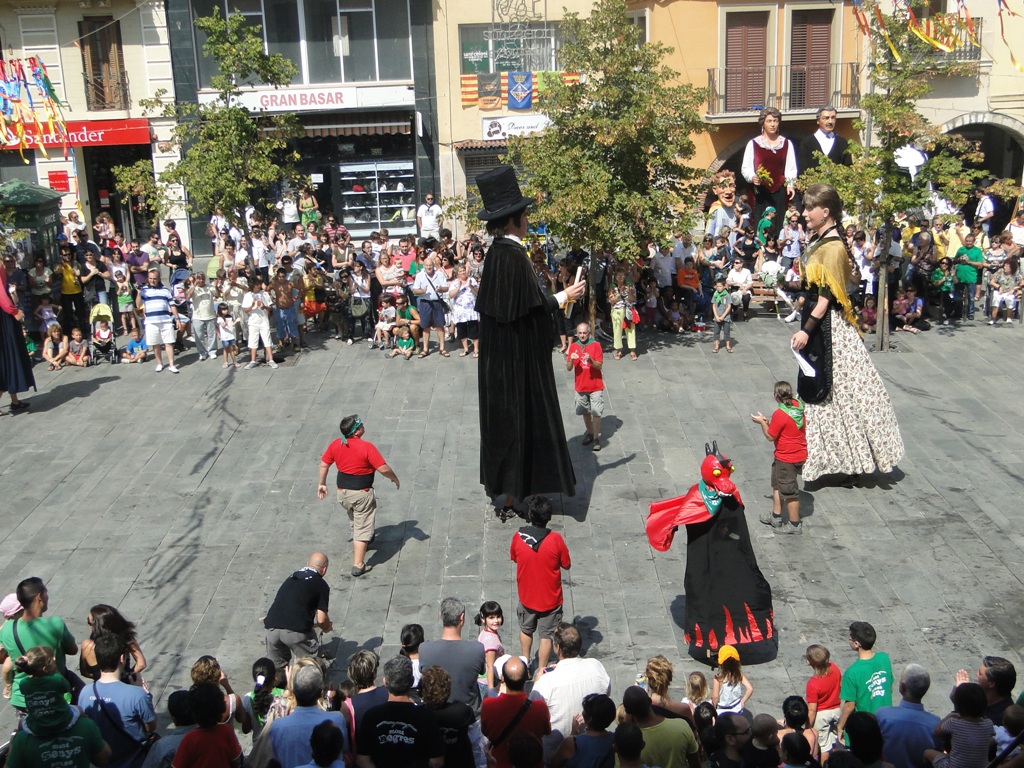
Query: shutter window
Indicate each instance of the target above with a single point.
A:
(809, 59)
(746, 56)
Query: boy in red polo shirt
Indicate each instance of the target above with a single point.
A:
(786, 430)
(585, 358)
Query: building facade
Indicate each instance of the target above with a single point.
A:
(101, 57)
(491, 56)
(363, 91)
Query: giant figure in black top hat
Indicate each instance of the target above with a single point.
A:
(522, 440)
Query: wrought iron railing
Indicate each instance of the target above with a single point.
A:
(735, 90)
(965, 49)
(110, 92)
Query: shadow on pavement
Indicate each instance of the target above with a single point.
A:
(60, 394)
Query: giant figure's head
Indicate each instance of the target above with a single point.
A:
(724, 185)
(716, 470)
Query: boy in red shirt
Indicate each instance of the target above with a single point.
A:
(585, 358)
(823, 696)
(786, 430)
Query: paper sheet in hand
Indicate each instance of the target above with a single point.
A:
(805, 368)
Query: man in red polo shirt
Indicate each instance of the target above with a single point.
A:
(539, 555)
(357, 461)
(585, 358)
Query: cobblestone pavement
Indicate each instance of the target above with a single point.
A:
(185, 500)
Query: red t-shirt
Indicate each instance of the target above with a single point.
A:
(790, 440)
(356, 462)
(539, 574)
(824, 691)
(588, 378)
(212, 747)
(497, 712)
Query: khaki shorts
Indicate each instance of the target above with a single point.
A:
(530, 621)
(590, 402)
(784, 478)
(361, 507)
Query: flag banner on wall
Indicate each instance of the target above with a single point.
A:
(488, 90)
(520, 90)
(469, 86)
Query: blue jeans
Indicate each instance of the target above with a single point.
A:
(287, 323)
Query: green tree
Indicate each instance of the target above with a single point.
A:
(875, 189)
(229, 156)
(611, 167)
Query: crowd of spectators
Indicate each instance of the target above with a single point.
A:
(275, 285)
(468, 702)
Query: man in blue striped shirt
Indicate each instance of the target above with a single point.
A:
(161, 317)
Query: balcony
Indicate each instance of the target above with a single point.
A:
(107, 93)
(964, 50)
(742, 92)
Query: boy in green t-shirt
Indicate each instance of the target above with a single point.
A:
(867, 683)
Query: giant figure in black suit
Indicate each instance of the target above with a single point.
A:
(824, 140)
(522, 440)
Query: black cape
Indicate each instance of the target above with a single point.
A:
(728, 600)
(522, 440)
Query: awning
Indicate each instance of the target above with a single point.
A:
(480, 145)
(360, 124)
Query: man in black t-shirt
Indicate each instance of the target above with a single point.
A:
(299, 609)
(399, 734)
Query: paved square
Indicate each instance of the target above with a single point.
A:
(185, 500)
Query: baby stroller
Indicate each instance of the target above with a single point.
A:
(103, 349)
(179, 287)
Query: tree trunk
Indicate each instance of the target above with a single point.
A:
(882, 321)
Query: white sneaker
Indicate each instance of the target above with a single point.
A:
(349, 342)
(172, 369)
(794, 315)
(1009, 321)
(158, 368)
(991, 322)
(252, 364)
(272, 364)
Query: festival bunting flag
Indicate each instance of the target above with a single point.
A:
(520, 90)
(488, 90)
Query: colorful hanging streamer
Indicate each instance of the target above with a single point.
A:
(16, 113)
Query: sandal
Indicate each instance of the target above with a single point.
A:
(715, 350)
(444, 353)
(618, 355)
(463, 353)
(632, 356)
(476, 354)
(52, 367)
(422, 354)
(729, 350)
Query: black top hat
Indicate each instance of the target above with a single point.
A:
(499, 190)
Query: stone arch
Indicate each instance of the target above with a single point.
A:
(1011, 125)
(725, 154)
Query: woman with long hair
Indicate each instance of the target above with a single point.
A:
(106, 620)
(850, 423)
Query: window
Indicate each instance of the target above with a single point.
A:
(746, 57)
(106, 85)
(810, 56)
(330, 41)
(515, 47)
(639, 18)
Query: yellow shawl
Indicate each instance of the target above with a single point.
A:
(828, 266)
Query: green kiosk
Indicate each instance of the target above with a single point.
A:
(37, 217)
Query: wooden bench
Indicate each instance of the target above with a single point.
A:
(766, 299)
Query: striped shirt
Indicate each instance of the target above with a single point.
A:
(156, 303)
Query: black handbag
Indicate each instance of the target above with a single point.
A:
(147, 741)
